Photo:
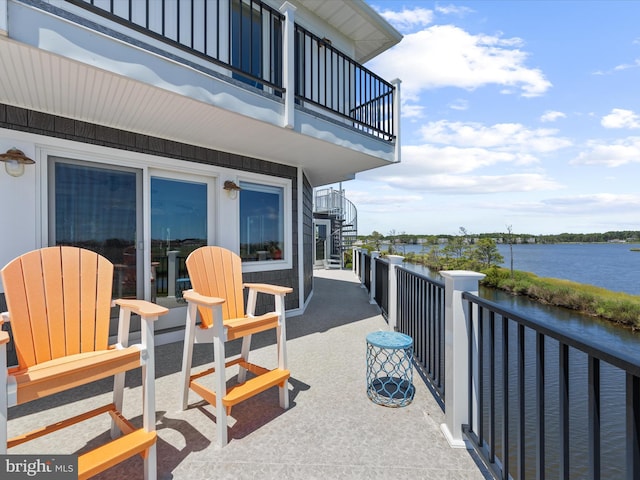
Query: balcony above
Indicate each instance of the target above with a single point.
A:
(235, 76)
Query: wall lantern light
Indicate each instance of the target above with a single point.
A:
(14, 162)
(232, 189)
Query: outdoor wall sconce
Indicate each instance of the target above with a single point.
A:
(14, 162)
(232, 189)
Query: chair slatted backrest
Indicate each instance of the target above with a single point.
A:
(59, 302)
(217, 272)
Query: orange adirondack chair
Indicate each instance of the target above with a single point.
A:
(217, 294)
(59, 302)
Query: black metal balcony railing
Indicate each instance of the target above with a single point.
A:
(543, 402)
(244, 37)
(328, 78)
(421, 316)
(523, 373)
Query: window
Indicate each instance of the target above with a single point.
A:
(261, 222)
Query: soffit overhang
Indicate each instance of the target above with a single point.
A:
(355, 19)
(42, 81)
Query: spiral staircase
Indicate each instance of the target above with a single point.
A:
(336, 227)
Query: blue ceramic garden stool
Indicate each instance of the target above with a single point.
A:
(389, 368)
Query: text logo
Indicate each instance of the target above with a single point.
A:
(50, 467)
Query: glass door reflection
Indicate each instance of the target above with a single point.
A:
(178, 227)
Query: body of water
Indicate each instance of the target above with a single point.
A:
(611, 266)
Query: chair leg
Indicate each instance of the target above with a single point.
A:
(281, 333)
(282, 364)
(118, 395)
(244, 353)
(151, 463)
(149, 397)
(187, 354)
(124, 321)
(220, 389)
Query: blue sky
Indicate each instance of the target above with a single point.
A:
(515, 113)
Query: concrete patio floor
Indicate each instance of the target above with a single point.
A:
(331, 430)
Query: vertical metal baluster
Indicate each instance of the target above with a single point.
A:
(178, 21)
(594, 416)
(492, 387)
(521, 404)
(563, 383)
(633, 427)
(480, 431)
(218, 30)
(164, 11)
(193, 24)
(470, 307)
(205, 24)
(540, 443)
(505, 397)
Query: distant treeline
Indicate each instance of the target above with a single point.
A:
(504, 237)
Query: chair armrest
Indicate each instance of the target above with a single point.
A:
(141, 307)
(203, 300)
(270, 289)
(4, 337)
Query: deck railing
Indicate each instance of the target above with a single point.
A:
(520, 368)
(421, 316)
(328, 78)
(245, 38)
(526, 395)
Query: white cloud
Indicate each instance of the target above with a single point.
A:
(373, 197)
(552, 116)
(627, 66)
(479, 184)
(408, 19)
(621, 118)
(412, 111)
(583, 204)
(621, 152)
(447, 56)
(459, 104)
(501, 136)
(430, 160)
(453, 10)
